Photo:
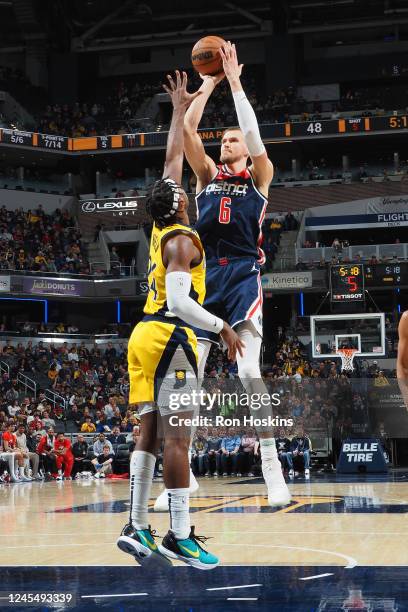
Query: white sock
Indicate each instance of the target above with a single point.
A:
(179, 506)
(141, 475)
(268, 449)
(21, 471)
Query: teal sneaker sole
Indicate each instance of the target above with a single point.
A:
(142, 554)
(189, 560)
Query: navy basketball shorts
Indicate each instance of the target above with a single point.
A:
(233, 293)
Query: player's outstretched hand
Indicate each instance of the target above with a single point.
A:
(230, 64)
(177, 90)
(233, 342)
(213, 78)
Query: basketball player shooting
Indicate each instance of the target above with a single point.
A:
(163, 347)
(402, 358)
(231, 204)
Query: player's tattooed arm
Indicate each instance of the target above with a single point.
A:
(181, 100)
(202, 165)
(402, 359)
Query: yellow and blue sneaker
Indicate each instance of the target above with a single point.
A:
(141, 545)
(188, 550)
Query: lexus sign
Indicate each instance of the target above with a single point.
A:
(118, 207)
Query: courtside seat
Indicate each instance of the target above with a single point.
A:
(122, 458)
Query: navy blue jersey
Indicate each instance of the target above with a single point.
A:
(230, 212)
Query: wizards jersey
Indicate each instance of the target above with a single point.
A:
(230, 212)
(156, 302)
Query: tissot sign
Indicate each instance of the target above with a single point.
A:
(117, 207)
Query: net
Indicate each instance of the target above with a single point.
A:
(347, 356)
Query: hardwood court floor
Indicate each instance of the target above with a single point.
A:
(332, 521)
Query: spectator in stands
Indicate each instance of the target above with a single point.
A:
(29, 457)
(46, 420)
(99, 442)
(45, 450)
(116, 437)
(80, 453)
(103, 462)
(230, 455)
(199, 450)
(300, 448)
(10, 446)
(63, 456)
(380, 380)
(282, 448)
(13, 408)
(88, 426)
(250, 450)
(212, 456)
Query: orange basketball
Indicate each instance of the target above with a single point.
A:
(205, 55)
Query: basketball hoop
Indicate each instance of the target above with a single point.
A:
(347, 355)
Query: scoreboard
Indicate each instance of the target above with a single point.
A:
(347, 283)
(387, 275)
(297, 130)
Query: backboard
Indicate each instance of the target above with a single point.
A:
(363, 332)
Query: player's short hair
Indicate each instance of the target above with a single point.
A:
(162, 201)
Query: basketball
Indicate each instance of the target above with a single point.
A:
(205, 55)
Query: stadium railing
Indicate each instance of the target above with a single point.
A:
(4, 368)
(55, 398)
(27, 383)
(365, 251)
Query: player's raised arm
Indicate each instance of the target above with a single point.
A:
(179, 254)
(202, 165)
(402, 359)
(181, 99)
(262, 166)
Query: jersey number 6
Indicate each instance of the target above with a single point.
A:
(225, 211)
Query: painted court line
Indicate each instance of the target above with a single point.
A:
(316, 576)
(242, 598)
(115, 595)
(350, 561)
(241, 586)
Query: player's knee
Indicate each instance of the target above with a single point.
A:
(180, 443)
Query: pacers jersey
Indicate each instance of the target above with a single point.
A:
(156, 302)
(230, 212)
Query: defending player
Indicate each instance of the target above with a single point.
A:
(231, 204)
(162, 357)
(402, 358)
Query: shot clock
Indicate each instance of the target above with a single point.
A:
(347, 283)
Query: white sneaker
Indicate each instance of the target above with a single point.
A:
(278, 492)
(162, 502)
(24, 478)
(97, 475)
(307, 474)
(291, 473)
(102, 475)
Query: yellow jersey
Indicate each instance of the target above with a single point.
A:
(156, 302)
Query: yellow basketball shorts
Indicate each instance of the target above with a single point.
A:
(162, 363)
